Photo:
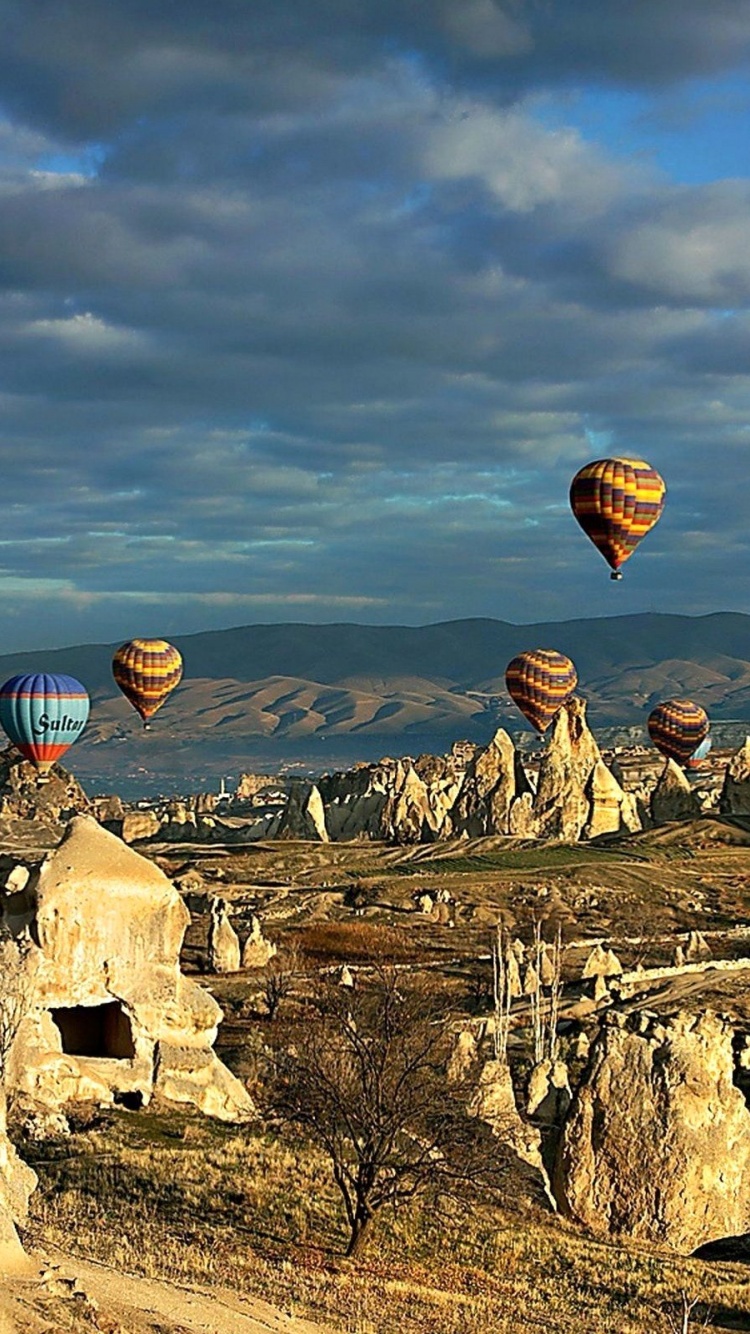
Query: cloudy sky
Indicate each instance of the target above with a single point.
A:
(310, 309)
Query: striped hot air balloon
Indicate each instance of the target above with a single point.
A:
(677, 727)
(43, 715)
(699, 755)
(539, 682)
(147, 671)
(616, 502)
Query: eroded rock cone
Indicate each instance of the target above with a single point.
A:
(23, 797)
(735, 793)
(656, 1144)
(561, 805)
(494, 779)
(673, 797)
(611, 809)
(304, 814)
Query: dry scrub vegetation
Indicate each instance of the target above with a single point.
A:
(178, 1196)
(172, 1195)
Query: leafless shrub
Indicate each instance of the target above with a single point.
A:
(16, 988)
(280, 975)
(368, 1084)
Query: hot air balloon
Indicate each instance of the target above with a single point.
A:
(43, 715)
(539, 681)
(677, 727)
(616, 502)
(147, 671)
(699, 755)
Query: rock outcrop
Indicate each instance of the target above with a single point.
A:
(673, 797)
(494, 779)
(22, 797)
(304, 814)
(656, 1144)
(223, 941)
(561, 805)
(611, 809)
(257, 951)
(111, 1018)
(495, 1104)
(735, 793)
(17, 1181)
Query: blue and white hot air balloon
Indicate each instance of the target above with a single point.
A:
(43, 715)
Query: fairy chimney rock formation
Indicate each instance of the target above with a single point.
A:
(656, 1144)
(17, 1181)
(673, 797)
(223, 941)
(257, 951)
(304, 814)
(111, 1018)
(735, 793)
(561, 805)
(494, 779)
(612, 810)
(601, 963)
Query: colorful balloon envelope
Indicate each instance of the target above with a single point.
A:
(677, 728)
(616, 502)
(43, 715)
(699, 755)
(147, 671)
(539, 682)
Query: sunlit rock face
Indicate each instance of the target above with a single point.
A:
(735, 793)
(23, 797)
(656, 1144)
(17, 1181)
(494, 779)
(673, 797)
(111, 1018)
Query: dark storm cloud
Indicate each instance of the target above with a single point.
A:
(305, 312)
(90, 69)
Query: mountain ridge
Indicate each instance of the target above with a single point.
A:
(300, 690)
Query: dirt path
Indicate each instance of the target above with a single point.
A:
(64, 1293)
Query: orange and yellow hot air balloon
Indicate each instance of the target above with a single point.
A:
(539, 682)
(678, 728)
(616, 502)
(147, 671)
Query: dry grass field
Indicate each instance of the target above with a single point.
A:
(165, 1194)
(175, 1196)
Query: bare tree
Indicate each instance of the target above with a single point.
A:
(16, 986)
(679, 1316)
(279, 977)
(368, 1084)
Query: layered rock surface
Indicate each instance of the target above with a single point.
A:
(111, 1017)
(656, 1144)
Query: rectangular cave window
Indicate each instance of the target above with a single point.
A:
(95, 1030)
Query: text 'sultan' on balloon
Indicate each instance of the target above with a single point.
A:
(677, 728)
(616, 502)
(147, 671)
(539, 682)
(43, 715)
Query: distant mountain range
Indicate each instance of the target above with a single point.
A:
(266, 693)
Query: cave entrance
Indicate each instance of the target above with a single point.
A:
(95, 1030)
